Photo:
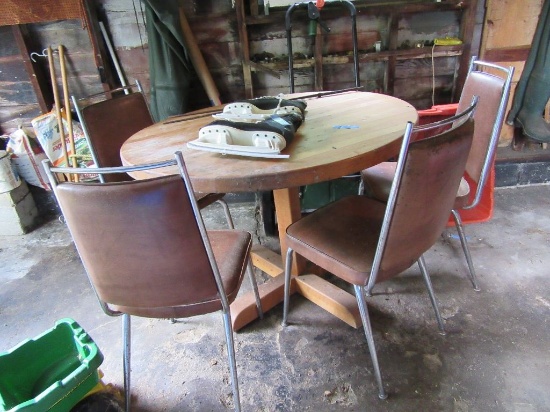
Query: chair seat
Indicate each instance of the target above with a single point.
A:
(230, 249)
(344, 236)
(378, 180)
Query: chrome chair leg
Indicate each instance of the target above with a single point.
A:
(361, 189)
(429, 286)
(250, 272)
(288, 267)
(249, 269)
(228, 217)
(126, 343)
(370, 340)
(231, 357)
(465, 248)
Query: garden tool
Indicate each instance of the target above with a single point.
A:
(314, 15)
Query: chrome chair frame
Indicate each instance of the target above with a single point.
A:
(127, 90)
(476, 67)
(360, 290)
(508, 73)
(126, 326)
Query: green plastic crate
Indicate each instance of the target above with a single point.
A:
(51, 372)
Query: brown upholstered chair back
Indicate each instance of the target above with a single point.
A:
(490, 90)
(150, 227)
(109, 123)
(426, 191)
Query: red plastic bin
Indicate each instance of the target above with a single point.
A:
(484, 209)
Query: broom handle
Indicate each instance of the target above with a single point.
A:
(57, 105)
(198, 61)
(67, 104)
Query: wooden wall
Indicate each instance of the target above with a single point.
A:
(509, 28)
(18, 101)
(212, 21)
(215, 27)
(17, 98)
(413, 78)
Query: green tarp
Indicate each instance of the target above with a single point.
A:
(170, 69)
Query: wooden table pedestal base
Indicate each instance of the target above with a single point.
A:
(340, 303)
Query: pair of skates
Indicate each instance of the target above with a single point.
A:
(260, 127)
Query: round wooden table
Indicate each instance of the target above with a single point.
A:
(342, 134)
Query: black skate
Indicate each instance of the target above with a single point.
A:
(261, 108)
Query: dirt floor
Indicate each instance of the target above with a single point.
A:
(495, 356)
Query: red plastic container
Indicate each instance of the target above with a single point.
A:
(484, 210)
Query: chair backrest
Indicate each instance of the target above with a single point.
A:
(153, 228)
(491, 83)
(423, 191)
(107, 124)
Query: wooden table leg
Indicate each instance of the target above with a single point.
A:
(288, 210)
(314, 288)
(243, 309)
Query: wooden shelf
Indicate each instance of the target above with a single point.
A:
(416, 53)
(278, 15)
(390, 10)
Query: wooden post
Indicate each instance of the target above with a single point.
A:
(389, 83)
(467, 36)
(198, 61)
(36, 73)
(67, 105)
(318, 59)
(245, 52)
(100, 54)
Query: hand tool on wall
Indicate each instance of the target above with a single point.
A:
(314, 15)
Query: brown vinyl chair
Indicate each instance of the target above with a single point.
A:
(364, 241)
(147, 252)
(108, 123)
(491, 83)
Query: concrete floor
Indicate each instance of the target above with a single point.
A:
(495, 357)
